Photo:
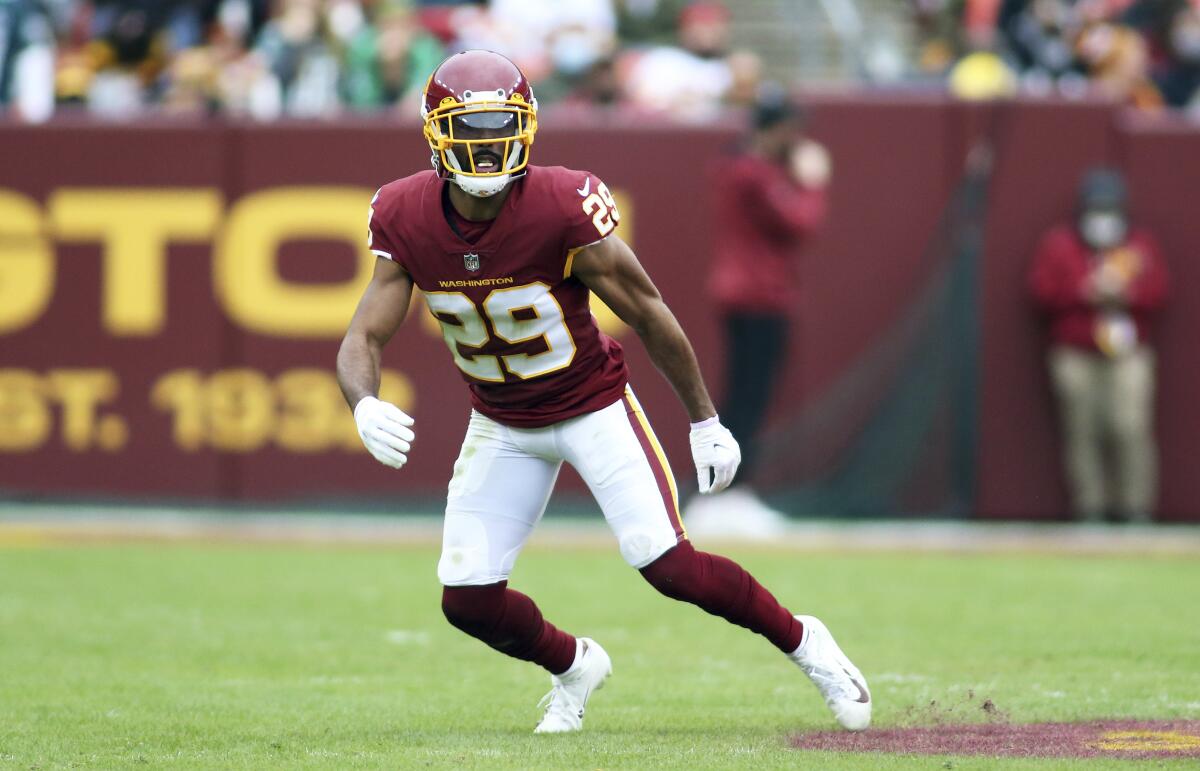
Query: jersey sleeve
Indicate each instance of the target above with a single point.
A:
(591, 212)
(382, 237)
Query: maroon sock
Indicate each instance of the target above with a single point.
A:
(723, 588)
(509, 622)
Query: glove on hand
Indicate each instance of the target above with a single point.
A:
(716, 454)
(384, 429)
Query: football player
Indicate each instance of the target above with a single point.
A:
(506, 254)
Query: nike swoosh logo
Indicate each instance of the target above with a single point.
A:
(863, 696)
(587, 185)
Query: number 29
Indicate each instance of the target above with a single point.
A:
(603, 210)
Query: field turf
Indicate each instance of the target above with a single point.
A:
(285, 656)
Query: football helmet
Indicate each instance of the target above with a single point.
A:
(480, 118)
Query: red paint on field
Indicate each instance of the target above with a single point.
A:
(1105, 738)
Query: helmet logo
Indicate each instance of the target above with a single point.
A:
(471, 262)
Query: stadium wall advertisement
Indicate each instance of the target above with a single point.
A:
(172, 296)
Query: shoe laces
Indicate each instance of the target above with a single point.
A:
(559, 700)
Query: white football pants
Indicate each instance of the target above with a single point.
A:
(503, 478)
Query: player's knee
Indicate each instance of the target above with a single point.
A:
(674, 574)
(472, 608)
(640, 548)
(465, 559)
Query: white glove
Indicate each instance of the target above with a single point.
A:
(716, 454)
(384, 429)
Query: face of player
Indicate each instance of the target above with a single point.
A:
(488, 156)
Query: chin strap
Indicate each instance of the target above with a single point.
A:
(484, 187)
(481, 188)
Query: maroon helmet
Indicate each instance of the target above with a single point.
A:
(477, 98)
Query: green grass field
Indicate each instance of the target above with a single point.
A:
(228, 656)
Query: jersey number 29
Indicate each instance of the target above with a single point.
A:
(541, 317)
(603, 210)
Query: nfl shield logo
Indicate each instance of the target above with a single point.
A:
(471, 261)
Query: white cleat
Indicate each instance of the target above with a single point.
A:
(568, 698)
(839, 681)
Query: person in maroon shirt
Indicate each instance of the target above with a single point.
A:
(1099, 282)
(506, 255)
(770, 199)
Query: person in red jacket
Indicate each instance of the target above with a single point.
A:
(770, 198)
(1099, 282)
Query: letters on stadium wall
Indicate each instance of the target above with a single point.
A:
(169, 316)
(172, 298)
(231, 410)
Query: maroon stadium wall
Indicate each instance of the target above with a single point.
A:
(172, 297)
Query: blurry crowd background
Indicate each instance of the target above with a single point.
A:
(266, 59)
(1145, 53)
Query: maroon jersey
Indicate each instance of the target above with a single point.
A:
(518, 325)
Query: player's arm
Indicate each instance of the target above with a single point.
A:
(611, 270)
(383, 427)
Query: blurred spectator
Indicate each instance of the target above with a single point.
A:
(244, 83)
(770, 199)
(647, 22)
(238, 19)
(939, 43)
(1180, 80)
(745, 78)
(692, 80)
(1039, 37)
(298, 47)
(1136, 53)
(478, 27)
(315, 58)
(555, 43)
(599, 86)
(1116, 60)
(128, 54)
(388, 62)
(1099, 282)
(1172, 30)
(191, 84)
(27, 49)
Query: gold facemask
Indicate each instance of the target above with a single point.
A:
(465, 124)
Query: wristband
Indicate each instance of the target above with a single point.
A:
(714, 420)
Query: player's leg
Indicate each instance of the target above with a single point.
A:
(502, 481)
(620, 459)
(496, 496)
